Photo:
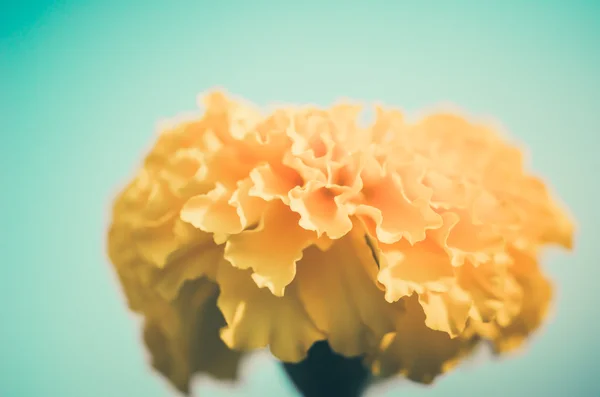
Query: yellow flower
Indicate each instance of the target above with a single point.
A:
(406, 243)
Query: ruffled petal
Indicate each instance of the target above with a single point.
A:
(415, 350)
(446, 311)
(448, 192)
(249, 208)
(486, 285)
(406, 269)
(213, 213)
(197, 262)
(292, 213)
(470, 241)
(130, 268)
(396, 216)
(271, 183)
(320, 210)
(535, 292)
(272, 249)
(338, 290)
(424, 266)
(194, 260)
(160, 245)
(183, 336)
(256, 318)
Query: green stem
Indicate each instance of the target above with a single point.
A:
(326, 374)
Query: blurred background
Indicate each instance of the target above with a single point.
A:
(84, 83)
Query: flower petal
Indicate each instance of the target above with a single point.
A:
(486, 285)
(213, 213)
(181, 263)
(536, 293)
(407, 269)
(197, 262)
(320, 210)
(249, 208)
(396, 215)
(271, 183)
(472, 241)
(160, 245)
(415, 350)
(446, 311)
(183, 336)
(271, 249)
(256, 318)
(338, 290)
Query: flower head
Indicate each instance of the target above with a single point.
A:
(403, 242)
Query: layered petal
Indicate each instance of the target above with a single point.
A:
(213, 213)
(529, 300)
(406, 269)
(272, 249)
(256, 318)
(415, 350)
(321, 209)
(397, 215)
(447, 311)
(272, 183)
(338, 290)
(470, 241)
(405, 242)
(183, 336)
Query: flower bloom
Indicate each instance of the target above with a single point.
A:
(406, 243)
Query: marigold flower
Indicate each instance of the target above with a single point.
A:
(405, 243)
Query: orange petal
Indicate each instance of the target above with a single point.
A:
(320, 210)
(256, 318)
(249, 208)
(213, 213)
(407, 269)
(396, 216)
(446, 311)
(536, 293)
(485, 284)
(415, 350)
(271, 249)
(448, 192)
(183, 336)
(469, 240)
(272, 183)
(180, 263)
(157, 245)
(338, 290)
(305, 171)
(191, 265)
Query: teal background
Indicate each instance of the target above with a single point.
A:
(84, 83)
